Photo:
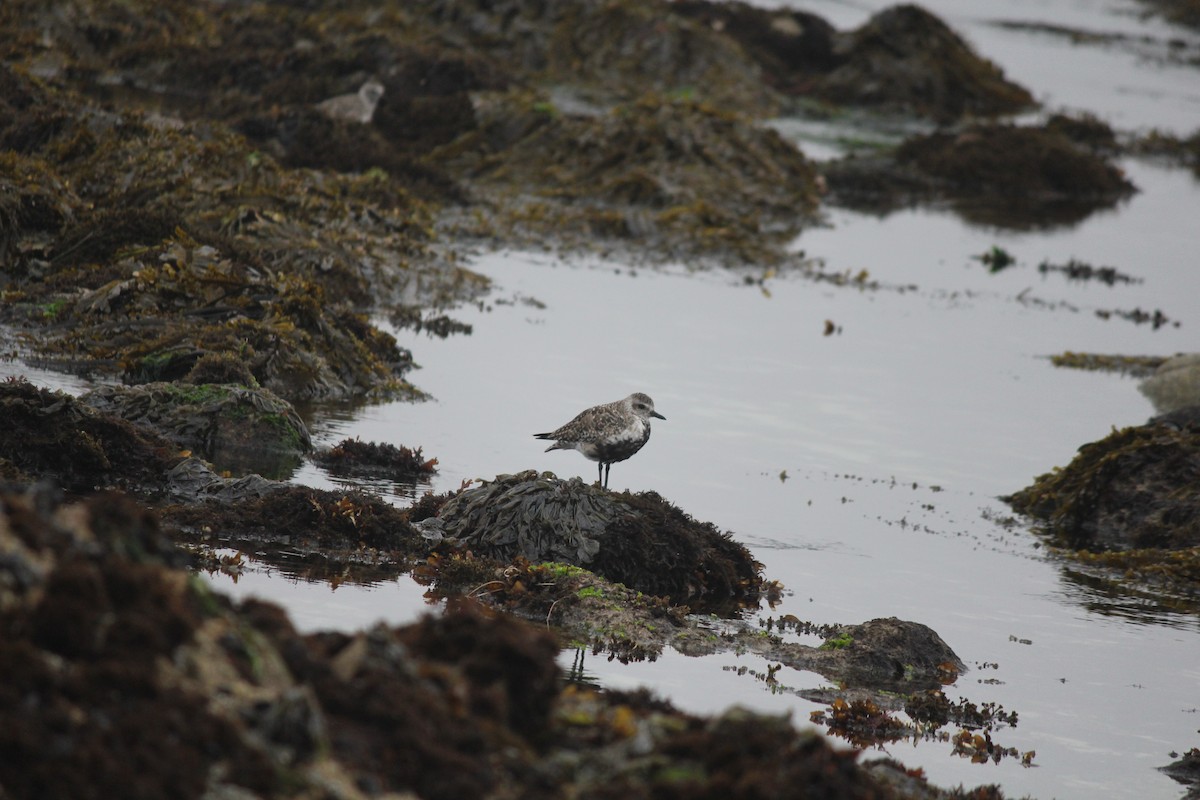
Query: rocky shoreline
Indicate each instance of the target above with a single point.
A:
(181, 212)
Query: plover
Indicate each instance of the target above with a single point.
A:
(607, 433)
(357, 107)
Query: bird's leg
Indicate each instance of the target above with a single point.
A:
(600, 472)
(607, 469)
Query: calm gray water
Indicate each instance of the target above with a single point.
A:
(896, 434)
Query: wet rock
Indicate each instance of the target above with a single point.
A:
(51, 435)
(613, 52)
(880, 655)
(122, 675)
(1185, 417)
(143, 263)
(1007, 175)
(889, 652)
(342, 527)
(193, 480)
(1175, 384)
(1186, 770)
(1126, 507)
(236, 427)
(1128, 490)
(659, 176)
(638, 540)
(905, 58)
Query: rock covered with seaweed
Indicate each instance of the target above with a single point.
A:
(639, 540)
(1127, 506)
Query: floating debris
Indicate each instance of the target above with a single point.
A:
(1155, 319)
(1136, 366)
(356, 457)
(996, 259)
(1081, 271)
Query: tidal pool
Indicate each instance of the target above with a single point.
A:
(861, 468)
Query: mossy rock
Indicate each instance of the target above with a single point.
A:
(1133, 489)
(235, 427)
(639, 540)
(49, 434)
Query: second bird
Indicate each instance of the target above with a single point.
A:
(608, 433)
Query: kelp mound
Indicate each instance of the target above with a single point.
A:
(236, 427)
(138, 248)
(903, 59)
(51, 435)
(1129, 502)
(333, 526)
(1007, 175)
(1132, 489)
(124, 676)
(685, 178)
(135, 670)
(1016, 162)
(611, 51)
(638, 540)
(369, 459)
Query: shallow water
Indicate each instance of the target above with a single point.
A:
(895, 434)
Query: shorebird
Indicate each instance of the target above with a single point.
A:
(357, 107)
(607, 433)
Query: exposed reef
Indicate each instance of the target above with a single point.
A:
(1126, 506)
(1017, 176)
(238, 428)
(639, 540)
(140, 673)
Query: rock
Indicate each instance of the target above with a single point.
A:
(1127, 508)
(236, 427)
(902, 60)
(639, 540)
(1186, 770)
(1008, 175)
(906, 59)
(889, 652)
(193, 480)
(1135, 488)
(51, 435)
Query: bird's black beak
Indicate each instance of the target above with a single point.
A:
(656, 414)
